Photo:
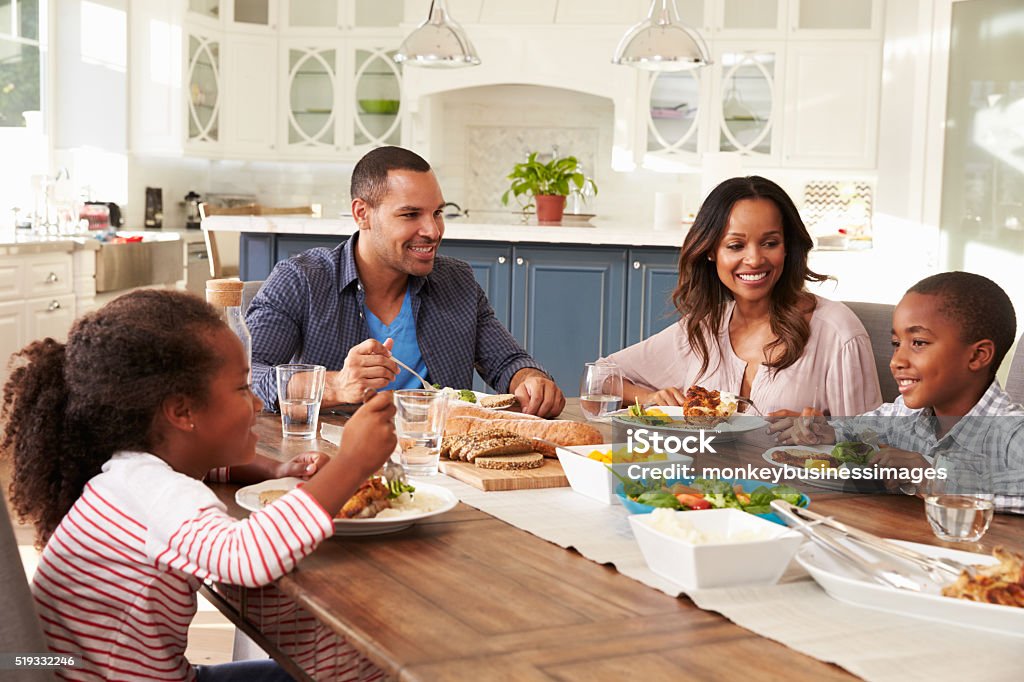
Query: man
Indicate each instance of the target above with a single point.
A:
(385, 292)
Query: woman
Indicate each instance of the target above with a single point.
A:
(749, 326)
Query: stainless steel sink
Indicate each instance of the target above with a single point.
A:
(158, 259)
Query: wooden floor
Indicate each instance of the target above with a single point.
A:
(211, 635)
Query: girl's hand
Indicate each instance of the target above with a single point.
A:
(369, 437)
(302, 466)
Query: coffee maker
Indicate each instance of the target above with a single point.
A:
(192, 217)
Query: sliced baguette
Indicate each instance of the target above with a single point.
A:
(555, 432)
(484, 413)
(511, 462)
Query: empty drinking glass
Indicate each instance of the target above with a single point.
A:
(300, 388)
(600, 389)
(419, 425)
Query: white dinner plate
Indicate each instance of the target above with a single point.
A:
(248, 498)
(826, 483)
(845, 583)
(727, 430)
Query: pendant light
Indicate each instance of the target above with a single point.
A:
(438, 42)
(662, 43)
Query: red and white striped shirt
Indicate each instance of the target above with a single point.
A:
(117, 581)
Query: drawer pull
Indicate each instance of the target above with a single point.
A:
(501, 260)
(636, 265)
(52, 277)
(54, 305)
(519, 261)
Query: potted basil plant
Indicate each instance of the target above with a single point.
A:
(547, 185)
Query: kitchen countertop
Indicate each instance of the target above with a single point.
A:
(26, 243)
(601, 232)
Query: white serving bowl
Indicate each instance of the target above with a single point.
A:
(701, 566)
(592, 478)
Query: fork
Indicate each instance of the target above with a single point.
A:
(392, 470)
(749, 403)
(426, 386)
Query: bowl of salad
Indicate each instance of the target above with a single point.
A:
(694, 494)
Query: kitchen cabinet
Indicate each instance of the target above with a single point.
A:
(311, 97)
(373, 96)
(203, 90)
(568, 306)
(36, 300)
(250, 95)
(652, 277)
(492, 268)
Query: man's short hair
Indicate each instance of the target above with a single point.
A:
(370, 176)
(977, 305)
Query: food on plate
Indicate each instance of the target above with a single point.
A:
(468, 446)
(372, 497)
(809, 459)
(706, 493)
(268, 496)
(497, 402)
(622, 456)
(707, 408)
(549, 432)
(852, 452)
(532, 460)
(463, 394)
(650, 416)
(677, 526)
(459, 410)
(1001, 583)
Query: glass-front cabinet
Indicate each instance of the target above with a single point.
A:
(676, 103)
(203, 96)
(312, 98)
(747, 103)
(376, 86)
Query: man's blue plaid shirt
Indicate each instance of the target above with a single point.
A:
(310, 310)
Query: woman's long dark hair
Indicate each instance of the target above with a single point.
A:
(68, 407)
(701, 298)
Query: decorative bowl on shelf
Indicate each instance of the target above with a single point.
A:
(379, 106)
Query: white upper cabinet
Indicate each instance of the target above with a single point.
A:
(747, 105)
(831, 112)
(835, 19)
(311, 97)
(375, 88)
(250, 95)
(748, 18)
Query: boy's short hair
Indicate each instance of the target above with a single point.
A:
(370, 176)
(977, 305)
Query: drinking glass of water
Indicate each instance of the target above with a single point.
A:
(600, 389)
(959, 504)
(300, 388)
(419, 425)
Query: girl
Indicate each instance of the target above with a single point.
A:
(111, 435)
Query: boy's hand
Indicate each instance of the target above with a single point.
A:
(897, 459)
(369, 437)
(302, 466)
(808, 427)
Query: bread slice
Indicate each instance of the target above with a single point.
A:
(510, 444)
(531, 460)
(553, 431)
(499, 401)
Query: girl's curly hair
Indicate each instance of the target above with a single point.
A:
(68, 407)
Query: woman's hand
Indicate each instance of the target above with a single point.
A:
(302, 466)
(808, 427)
(666, 396)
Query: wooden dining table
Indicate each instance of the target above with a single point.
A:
(465, 596)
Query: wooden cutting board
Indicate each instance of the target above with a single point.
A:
(548, 476)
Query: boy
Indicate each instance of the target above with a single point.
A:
(950, 333)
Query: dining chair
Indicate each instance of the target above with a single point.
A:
(19, 626)
(249, 290)
(1015, 379)
(877, 320)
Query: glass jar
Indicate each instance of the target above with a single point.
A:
(226, 296)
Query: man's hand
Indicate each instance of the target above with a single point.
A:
(808, 427)
(302, 466)
(537, 393)
(368, 365)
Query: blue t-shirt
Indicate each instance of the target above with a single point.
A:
(407, 349)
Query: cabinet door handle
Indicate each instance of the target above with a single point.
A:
(54, 305)
(501, 260)
(636, 265)
(519, 261)
(51, 278)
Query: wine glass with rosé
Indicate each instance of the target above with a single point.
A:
(600, 389)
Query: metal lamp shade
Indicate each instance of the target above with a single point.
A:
(661, 43)
(438, 42)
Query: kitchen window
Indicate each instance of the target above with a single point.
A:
(20, 72)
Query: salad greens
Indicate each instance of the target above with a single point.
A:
(638, 414)
(396, 488)
(852, 452)
(704, 493)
